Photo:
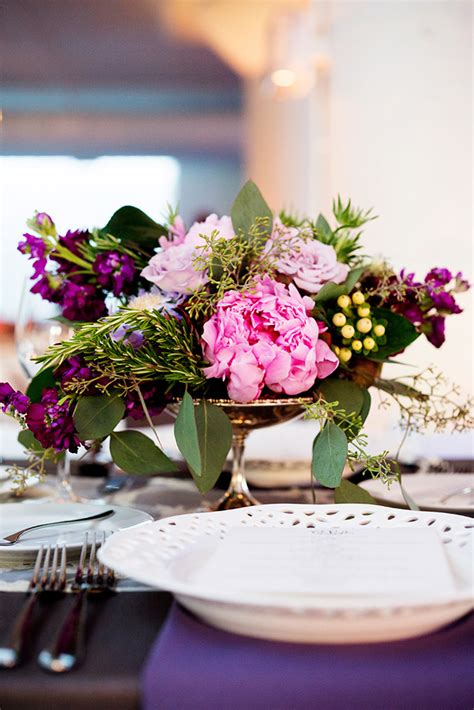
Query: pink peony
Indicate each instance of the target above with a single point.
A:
(172, 269)
(310, 263)
(265, 337)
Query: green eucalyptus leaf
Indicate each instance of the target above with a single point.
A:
(330, 291)
(349, 395)
(44, 378)
(322, 225)
(215, 439)
(400, 333)
(186, 434)
(365, 409)
(329, 455)
(135, 453)
(348, 492)
(96, 417)
(248, 206)
(131, 225)
(28, 440)
(353, 277)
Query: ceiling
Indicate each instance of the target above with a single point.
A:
(112, 43)
(101, 76)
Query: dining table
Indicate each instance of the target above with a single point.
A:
(144, 651)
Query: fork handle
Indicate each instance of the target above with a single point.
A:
(67, 648)
(13, 652)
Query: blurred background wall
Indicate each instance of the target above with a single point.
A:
(369, 99)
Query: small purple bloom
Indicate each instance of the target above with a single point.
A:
(444, 302)
(43, 220)
(116, 272)
(438, 277)
(434, 330)
(131, 337)
(13, 398)
(154, 398)
(52, 423)
(36, 249)
(82, 302)
(48, 287)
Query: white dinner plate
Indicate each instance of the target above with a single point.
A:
(15, 516)
(165, 553)
(443, 492)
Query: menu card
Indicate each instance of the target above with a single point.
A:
(332, 561)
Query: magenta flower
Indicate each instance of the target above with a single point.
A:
(265, 337)
(14, 399)
(35, 247)
(82, 303)
(116, 272)
(52, 423)
(154, 399)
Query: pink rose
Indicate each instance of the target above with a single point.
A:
(265, 337)
(213, 223)
(172, 269)
(310, 263)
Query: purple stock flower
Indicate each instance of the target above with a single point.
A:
(52, 423)
(130, 337)
(82, 302)
(438, 277)
(76, 369)
(154, 399)
(116, 272)
(36, 249)
(13, 398)
(444, 302)
(434, 330)
(48, 287)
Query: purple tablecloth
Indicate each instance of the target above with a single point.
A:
(195, 667)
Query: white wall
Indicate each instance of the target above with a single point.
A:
(390, 126)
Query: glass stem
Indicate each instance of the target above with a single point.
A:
(64, 491)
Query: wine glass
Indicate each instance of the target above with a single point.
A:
(35, 331)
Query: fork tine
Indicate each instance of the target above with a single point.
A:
(54, 570)
(62, 569)
(35, 576)
(91, 565)
(44, 573)
(82, 558)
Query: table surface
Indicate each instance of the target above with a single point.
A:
(121, 628)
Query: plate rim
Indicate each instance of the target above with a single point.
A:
(298, 604)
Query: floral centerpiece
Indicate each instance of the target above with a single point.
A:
(246, 307)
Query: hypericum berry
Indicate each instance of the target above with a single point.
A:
(363, 311)
(356, 345)
(339, 319)
(364, 325)
(337, 350)
(347, 331)
(358, 298)
(369, 343)
(345, 354)
(379, 330)
(343, 301)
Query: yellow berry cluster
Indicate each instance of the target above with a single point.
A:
(360, 332)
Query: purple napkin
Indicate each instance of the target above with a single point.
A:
(193, 666)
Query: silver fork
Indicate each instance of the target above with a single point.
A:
(68, 646)
(46, 578)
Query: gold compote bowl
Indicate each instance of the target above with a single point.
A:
(244, 419)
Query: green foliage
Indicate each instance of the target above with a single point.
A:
(348, 492)
(215, 439)
(27, 439)
(350, 399)
(331, 291)
(186, 434)
(401, 331)
(204, 436)
(135, 453)
(349, 216)
(135, 228)
(329, 455)
(324, 230)
(96, 417)
(249, 206)
(43, 379)
(171, 351)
